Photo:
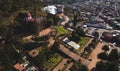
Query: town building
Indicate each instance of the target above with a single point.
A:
(26, 66)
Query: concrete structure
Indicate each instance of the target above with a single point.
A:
(50, 9)
(71, 43)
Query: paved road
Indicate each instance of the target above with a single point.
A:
(100, 13)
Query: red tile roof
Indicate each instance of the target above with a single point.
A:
(19, 67)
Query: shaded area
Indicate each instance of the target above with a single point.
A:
(33, 45)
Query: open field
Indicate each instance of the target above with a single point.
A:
(83, 41)
(60, 30)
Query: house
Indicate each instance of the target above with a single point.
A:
(97, 25)
(111, 37)
(19, 67)
(89, 31)
(28, 17)
(107, 36)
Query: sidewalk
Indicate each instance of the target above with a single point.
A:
(94, 54)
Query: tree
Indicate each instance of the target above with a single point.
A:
(96, 34)
(56, 19)
(112, 66)
(74, 36)
(3, 30)
(95, 40)
(56, 46)
(78, 67)
(88, 49)
(105, 48)
(92, 44)
(40, 59)
(10, 37)
(49, 22)
(80, 32)
(100, 66)
(114, 56)
(75, 20)
(44, 55)
(102, 56)
(106, 66)
(33, 28)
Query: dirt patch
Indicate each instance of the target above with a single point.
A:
(34, 53)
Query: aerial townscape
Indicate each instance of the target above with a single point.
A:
(59, 35)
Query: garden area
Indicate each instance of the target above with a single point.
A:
(53, 62)
(83, 41)
(47, 59)
(79, 37)
(60, 30)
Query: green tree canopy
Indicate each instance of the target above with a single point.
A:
(49, 22)
(105, 48)
(107, 66)
(3, 30)
(114, 56)
(96, 34)
(33, 28)
(78, 67)
(102, 56)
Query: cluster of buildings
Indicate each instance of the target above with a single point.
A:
(112, 37)
(25, 66)
(97, 21)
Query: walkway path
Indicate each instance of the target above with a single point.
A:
(94, 54)
(71, 54)
(41, 33)
(51, 40)
(45, 32)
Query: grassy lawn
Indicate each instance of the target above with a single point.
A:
(83, 41)
(53, 62)
(60, 30)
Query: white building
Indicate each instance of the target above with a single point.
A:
(71, 43)
(50, 9)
